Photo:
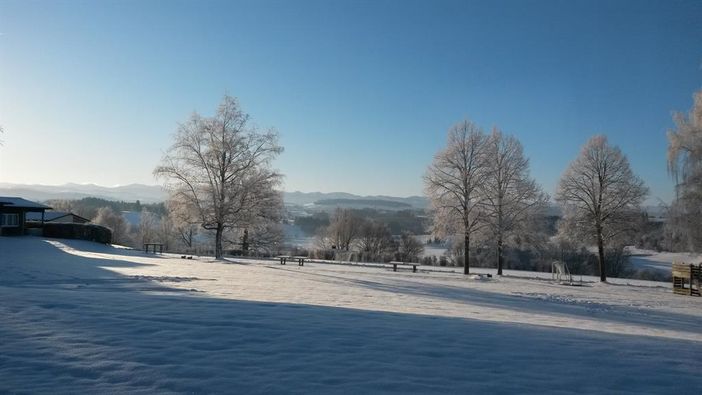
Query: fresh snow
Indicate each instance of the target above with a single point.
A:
(79, 317)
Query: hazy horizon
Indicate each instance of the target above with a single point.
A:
(160, 185)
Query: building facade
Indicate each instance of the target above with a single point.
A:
(13, 214)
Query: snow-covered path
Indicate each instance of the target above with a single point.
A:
(80, 317)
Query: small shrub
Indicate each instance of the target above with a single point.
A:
(443, 261)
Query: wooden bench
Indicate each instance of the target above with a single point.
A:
(684, 273)
(395, 264)
(284, 259)
(300, 260)
(148, 246)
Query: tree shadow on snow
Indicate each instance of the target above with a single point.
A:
(99, 248)
(535, 303)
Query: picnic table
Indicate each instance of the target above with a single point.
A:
(300, 259)
(395, 264)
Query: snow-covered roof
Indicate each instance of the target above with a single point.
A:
(51, 216)
(17, 202)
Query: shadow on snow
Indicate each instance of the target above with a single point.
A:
(114, 336)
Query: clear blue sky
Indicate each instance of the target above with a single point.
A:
(362, 92)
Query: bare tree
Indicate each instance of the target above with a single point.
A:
(266, 238)
(263, 232)
(344, 229)
(685, 165)
(600, 195)
(375, 238)
(221, 167)
(166, 232)
(453, 183)
(511, 196)
(409, 248)
(183, 220)
(147, 230)
(115, 222)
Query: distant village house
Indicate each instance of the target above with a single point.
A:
(57, 217)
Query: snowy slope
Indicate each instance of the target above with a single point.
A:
(80, 317)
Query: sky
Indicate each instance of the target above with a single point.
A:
(361, 92)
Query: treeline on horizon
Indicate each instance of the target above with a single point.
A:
(379, 203)
(413, 221)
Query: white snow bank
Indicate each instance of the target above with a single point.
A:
(78, 317)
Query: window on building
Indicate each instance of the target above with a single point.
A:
(9, 220)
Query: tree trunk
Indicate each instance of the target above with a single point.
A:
(600, 253)
(218, 241)
(245, 243)
(499, 234)
(466, 253)
(499, 255)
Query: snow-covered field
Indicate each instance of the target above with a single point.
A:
(641, 259)
(78, 317)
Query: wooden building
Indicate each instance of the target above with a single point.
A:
(13, 214)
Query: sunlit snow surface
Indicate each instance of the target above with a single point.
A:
(77, 317)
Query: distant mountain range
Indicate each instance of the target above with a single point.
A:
(378, 204)
(128, 193)
(155, 193)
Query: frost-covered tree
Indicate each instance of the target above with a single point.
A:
(184, 221)
(220, 166)
(343, 230)
(263, 233)
(453, 182)
(147, 230)
(600, 195)
(685, 165)
(115, 222)
(266, 238)
(511, 196)
(166, 233)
